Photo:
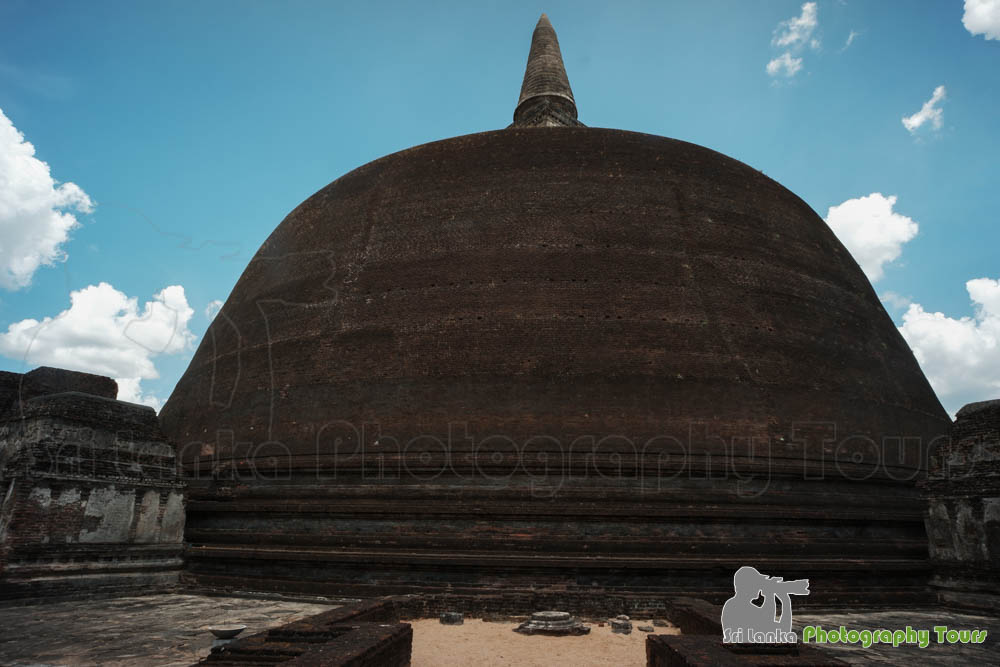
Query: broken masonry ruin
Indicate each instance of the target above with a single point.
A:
(92, 503)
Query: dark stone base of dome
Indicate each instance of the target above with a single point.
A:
(482, 585)
(598, 546)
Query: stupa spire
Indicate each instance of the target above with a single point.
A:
(546, 99)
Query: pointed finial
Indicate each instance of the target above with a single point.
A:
(546, 98)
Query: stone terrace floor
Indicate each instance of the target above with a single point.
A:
(159, 630)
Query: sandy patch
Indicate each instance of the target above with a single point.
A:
(497, 645)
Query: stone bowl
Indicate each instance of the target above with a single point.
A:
(227, 632)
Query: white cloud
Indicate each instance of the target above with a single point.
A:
(961, 357)
(850, 40)
(784, 64)
(793, 36)
(129, 390)
(871, 230)
(797, 31)
(212, 309)
(895, 300)
(35, 211)
(982, 17)
(105, 332)
(929, 112)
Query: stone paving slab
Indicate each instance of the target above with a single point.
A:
(935, 654)
(162, 630)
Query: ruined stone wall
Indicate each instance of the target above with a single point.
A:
(963, 520)
(91, 502)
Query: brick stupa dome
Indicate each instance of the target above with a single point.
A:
(554, 357)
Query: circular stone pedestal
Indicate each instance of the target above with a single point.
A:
(552, 623)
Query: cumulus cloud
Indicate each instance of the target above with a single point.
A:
(929, 112)
(36, 212)
(784, 64)
(961, 357)
(798, 30)
(106, 332)
(982, 17)
(871, 231)
(212, 309)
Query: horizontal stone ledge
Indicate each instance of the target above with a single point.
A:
(425, 599)
(223, 536)
(89, 410)
(636, 512)
(92, 481)
(15, 570)
(89, 586)
(792, 467)
(522, 560)
(540, 536)
(91, 550)
(707, 493)
(588, 548)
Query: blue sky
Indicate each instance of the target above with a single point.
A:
(191, 129)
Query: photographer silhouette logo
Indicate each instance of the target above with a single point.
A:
(751, 615)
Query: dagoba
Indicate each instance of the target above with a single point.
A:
(554, 358)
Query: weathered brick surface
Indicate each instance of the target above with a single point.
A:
(361, 634)
(10, 389)
(576, 358)
(546, 99)
(47, 380)
(18, 388)
(963, 516)
(695, 616)
(91, 498)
